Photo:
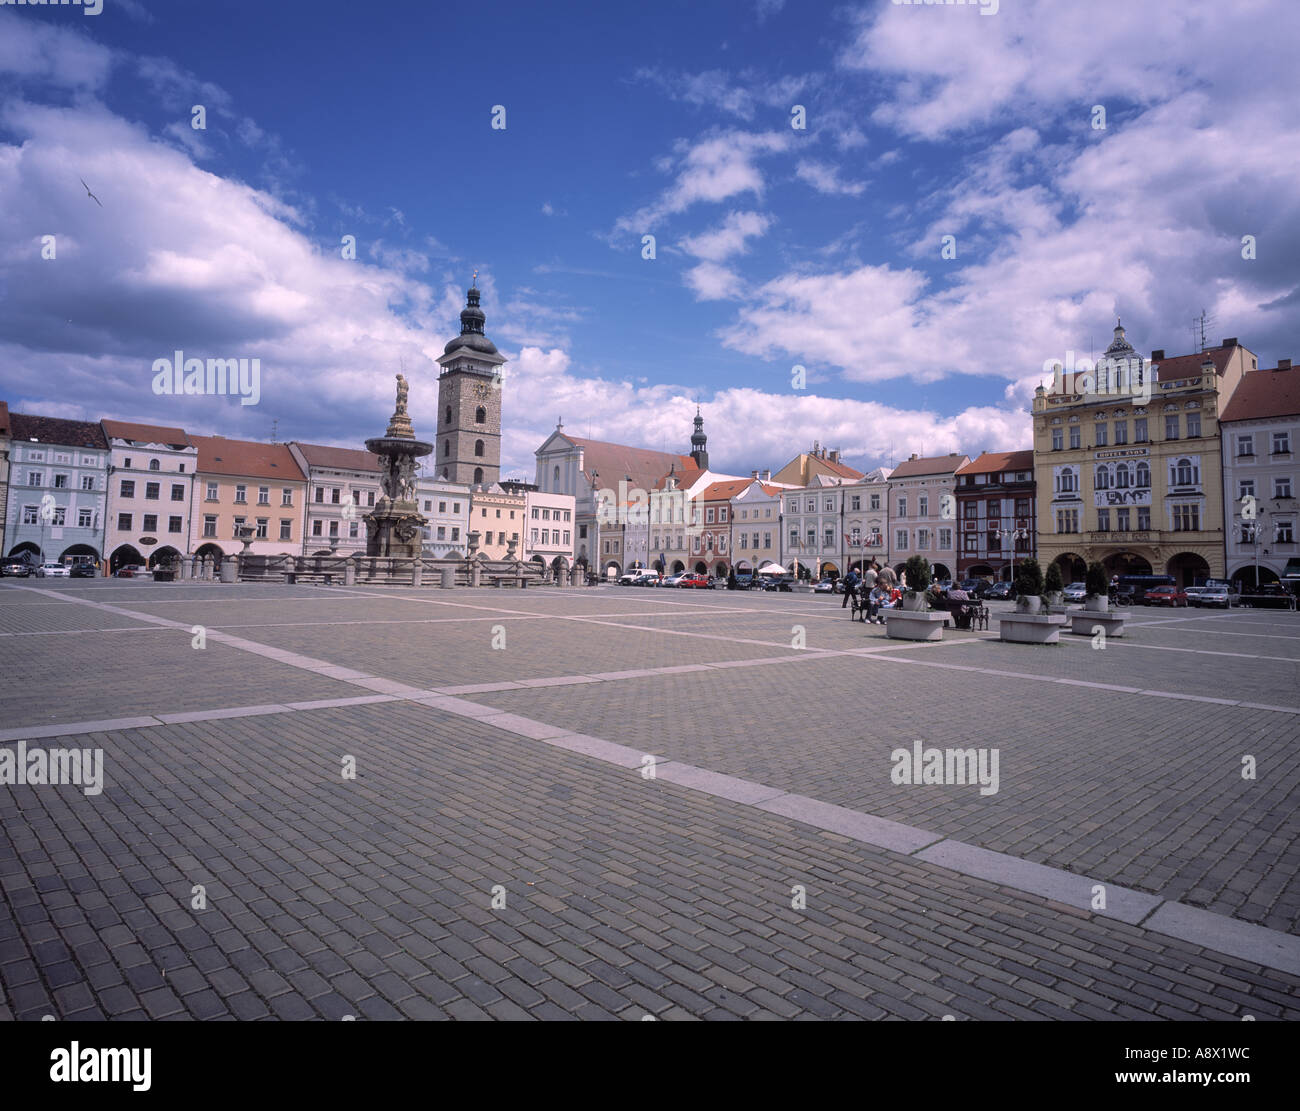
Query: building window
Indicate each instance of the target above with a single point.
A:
(370, 499)
(124, 522)
(31, 515)
(317, 527)
(1122, 519)
(1282, 487)
(354, 531)
(150, 522)
(264, 495)
(173, 524)
(478, 476)
(83, 518)
(152, 490)
(855, 501)
(900, 539)
(566, 536)
(442, 532)
(153, 465)
(212, 491)
(478, 449)
(126, 490)
(1140, 430)
(945, 539)
(923, 540)
(480, 415)
(1171, 426)
(1121, 476)
(1144, 518)
(534, 536)
(286, 529)
(334, 529)
(923, 506)
(1121, 432)
(1285, 532)
(1193, 425)
(1075, 436)
(708, 516)
(446, 419)
(1143, 479)
(60, 482)
(1099, 430)
(1185, 473)
(1186, 518)
(241, 494)
(1246, 488)
(1058, 439)
(902, 507)
(767, 540)
(262, 522)
(209, 525)
(1102, 480)
(87, 482)
(178, 491)
(335, 492)
(1281, 443)
(286, 496)
(1103, 520)
(830, 538)
(1067, 520)
(320, 495)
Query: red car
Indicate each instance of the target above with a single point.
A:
(1165, 596)
(700, 582)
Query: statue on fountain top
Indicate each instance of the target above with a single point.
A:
(400, 424)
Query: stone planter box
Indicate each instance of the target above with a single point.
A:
(910, 625)
(1063, 607)
(1085, 622)
(1025, 628)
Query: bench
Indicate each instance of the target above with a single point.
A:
(325, 578)
(977, 617)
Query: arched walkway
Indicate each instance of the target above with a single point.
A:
(701, 568)
(124, 555)
(1073, 567)
(1126, 563)
(613, 570)
(164, 555)
(940, 571)
(213, 552)
(980, 571)
(1188, 568)
(1244, 576)
(25, 546)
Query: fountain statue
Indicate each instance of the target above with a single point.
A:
(393, 527)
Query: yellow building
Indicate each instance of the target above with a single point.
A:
(1127, 462)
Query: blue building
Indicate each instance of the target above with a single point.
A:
(58, 483)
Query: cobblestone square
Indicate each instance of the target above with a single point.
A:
(614, 803)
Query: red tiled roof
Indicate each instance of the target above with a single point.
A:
(340, 458)
(683, 476)
(615, 461)
(841, 469)
(1189, 366)
(246, 458)
(146, 433)
(724, 491)
(56, 430)
(991, 462)
(935, 464)
(1265, 393)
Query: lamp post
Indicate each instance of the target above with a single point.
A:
(1014, 534)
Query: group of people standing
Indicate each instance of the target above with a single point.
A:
(875, 589)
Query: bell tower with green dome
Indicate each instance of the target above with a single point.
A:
(468, 444)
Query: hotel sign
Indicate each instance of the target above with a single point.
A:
(1103, 498)
(1125, 453)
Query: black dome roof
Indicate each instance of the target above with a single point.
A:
(471, 328)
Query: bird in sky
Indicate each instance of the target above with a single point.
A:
(90, 194)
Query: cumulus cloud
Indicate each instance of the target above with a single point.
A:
(728, 238)
(826, 179)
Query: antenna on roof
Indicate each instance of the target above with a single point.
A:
(1200, 330)
(275, 427)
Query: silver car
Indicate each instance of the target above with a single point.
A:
(1221, 596)
(1075, 592)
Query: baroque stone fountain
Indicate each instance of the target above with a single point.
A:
(393, 526)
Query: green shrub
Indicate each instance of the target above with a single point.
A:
(917, 570)
(1053, 583)
(1029, 579)
(1097, 582)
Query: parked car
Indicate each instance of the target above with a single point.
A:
(1075, 592)
(973, 587)
(51, 571)
(827, 586)
(1224, 597)
(1165, 596)
(19, 566)
(1193, 593)
(83, 571)
(674, 580)
(1000, 592)
(134, 571)
(640, 577)
(745, 580)
(696, 582)
(778, 582)
(1270, 595)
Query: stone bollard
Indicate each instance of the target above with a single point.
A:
(349, 573)
(575, 577)
(229, 570)
(448, 578)
(475, 574)
(205, 569)
(417, 573)
(183, 570)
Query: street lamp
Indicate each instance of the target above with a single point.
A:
(1015, 534)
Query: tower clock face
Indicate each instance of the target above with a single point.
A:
(482, 390)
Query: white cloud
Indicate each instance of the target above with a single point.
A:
(711, 282)
(729, 238)
(825, 178)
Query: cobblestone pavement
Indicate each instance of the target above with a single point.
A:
(626, 896)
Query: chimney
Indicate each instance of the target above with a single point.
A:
(1157, 354)
(911, 457)
(1284, 364)
(1231, 341)
(835, 456)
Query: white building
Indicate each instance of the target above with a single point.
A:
(1260, 433)
(150, 491)
(446, 504)
(923, 512)
(342, 486)
(548, 528)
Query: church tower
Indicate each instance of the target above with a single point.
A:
(700, 443)
(468, 445)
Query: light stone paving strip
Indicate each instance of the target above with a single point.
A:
(1269, 948)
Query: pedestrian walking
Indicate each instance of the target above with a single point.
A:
(850, 585)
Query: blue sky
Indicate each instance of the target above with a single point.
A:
(775, 246)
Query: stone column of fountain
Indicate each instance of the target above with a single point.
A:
(475, 568)
(393, 526)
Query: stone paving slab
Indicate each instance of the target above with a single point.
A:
(624, 896)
